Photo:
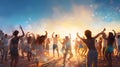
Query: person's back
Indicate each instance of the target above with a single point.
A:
(55, 43)
(92, 56)
(55, 40)
(109, 50)
(14, 42)
(90, 43)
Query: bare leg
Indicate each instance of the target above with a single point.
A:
(65, 55)
(11, 63)
(53, 52)
(22, 53)
(110, 59)
(71, 55)
(57, 52)
(6, 55)
(2, 55)
(16, 61)
(28, 55)
(103, 53)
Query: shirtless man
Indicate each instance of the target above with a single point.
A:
(55, 44)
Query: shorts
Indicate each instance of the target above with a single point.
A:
(55, 46)
(14, 52)
(109, 49)
(92, 58)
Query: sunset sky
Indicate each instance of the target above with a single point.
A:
(60, 16)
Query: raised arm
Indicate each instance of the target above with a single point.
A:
(114, 32)
(100, 33)
(32, 35)
(27, 34)
(46, 33)
(22, 32)
(104, 36)
(79, 36)
(53, 34)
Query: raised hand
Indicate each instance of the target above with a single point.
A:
(22, 31)
(104, 29)
(114, 32)
(20, 27)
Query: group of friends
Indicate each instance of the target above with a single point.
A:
(102, 45)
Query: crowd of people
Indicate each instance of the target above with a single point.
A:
(101, 46)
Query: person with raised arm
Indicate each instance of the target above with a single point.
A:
(118, 44)
(28, 45)
(14, 52)
(5, 41)
(33, 45)
(68, 49)
(40, 41)
(109, 50)
(55, 43)
(62, 41)
(92, 56)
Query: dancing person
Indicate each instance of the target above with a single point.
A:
(109, 50)
(40, 41)
(90, 42)
(118, 44)
(32, 46)
(5, 41)
(68, 49)
(63, 46)
(14, 48)
(28, 45)
(55, 43)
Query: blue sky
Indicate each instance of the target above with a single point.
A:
(24, 12)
